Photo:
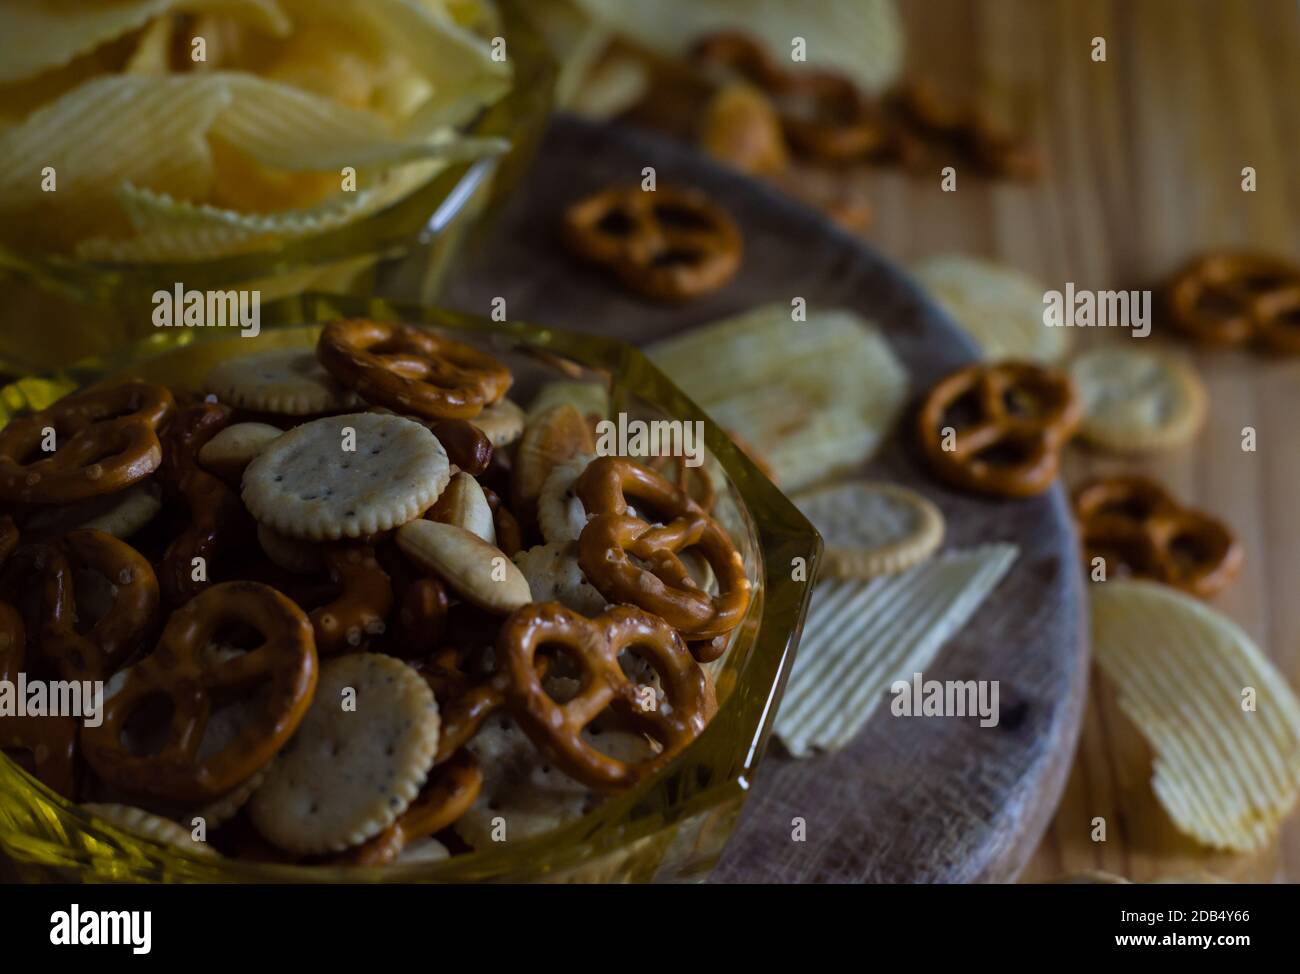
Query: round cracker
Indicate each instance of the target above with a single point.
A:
(286, 381)
(137, 820)
(347, 774)
(560, 513)
(872, 529)
(1000, 307)
(554, 575)
(502, 422)
(121, 514)
(306, 485)
(1138, 399)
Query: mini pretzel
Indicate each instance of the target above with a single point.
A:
(924, 119)
(1021, 414)
(664, 586)
(410, 370)
(281, 670)
(670, 243)
(736, 51)
(79, 649)
(362, 599)
(1232, 298)
(824, 115)
(464, 701)
(105, 440)
(218, 521)
(448, 794)
(1138, 528)
(595, 644)
(45, 745)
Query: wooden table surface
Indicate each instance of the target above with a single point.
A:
(1143, 157)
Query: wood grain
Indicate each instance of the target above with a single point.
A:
(906, 801)
(1144, 156)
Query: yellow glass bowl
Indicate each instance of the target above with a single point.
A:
(58, 309)
(672, 826)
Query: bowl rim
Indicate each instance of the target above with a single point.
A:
(776, 616)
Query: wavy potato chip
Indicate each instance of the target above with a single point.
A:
(153, 155)
(1222, 722)
(91, 159)
(839, 385)
(860, 637)
(169, 229)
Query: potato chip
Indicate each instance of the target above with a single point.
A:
(157, 140)
(456, 62)
(862, 38)
(153, 49)
(860, 637)
(41, 36)
(1222, 722)
(837, 385)
(171, 229)
(1000, 307)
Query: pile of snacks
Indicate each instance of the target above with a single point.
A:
(1222, 722)
(352, 607)
(796, 98)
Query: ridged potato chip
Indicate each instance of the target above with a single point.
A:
(811, 396)
(158, 139)
(860, 637)
(1222, 722)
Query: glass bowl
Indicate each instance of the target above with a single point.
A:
(672, 826)
(58, 309)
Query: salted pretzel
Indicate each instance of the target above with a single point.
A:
(663, 586)
(923, 119)
(1007, 423)
(694, 482)
(279, 672)
(465, 700)
(448, 794)
(362, 598)
(823, 114)
(79, 648)
(1138, 528)
(217, 520)
(46, 746)
(104, 441)
(1234, 298)
(670, 244)
(731, 52)
(595, 645)
(411, 370)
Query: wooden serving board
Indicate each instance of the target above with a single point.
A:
(936, 800)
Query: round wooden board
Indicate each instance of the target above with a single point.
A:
(936, 800)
